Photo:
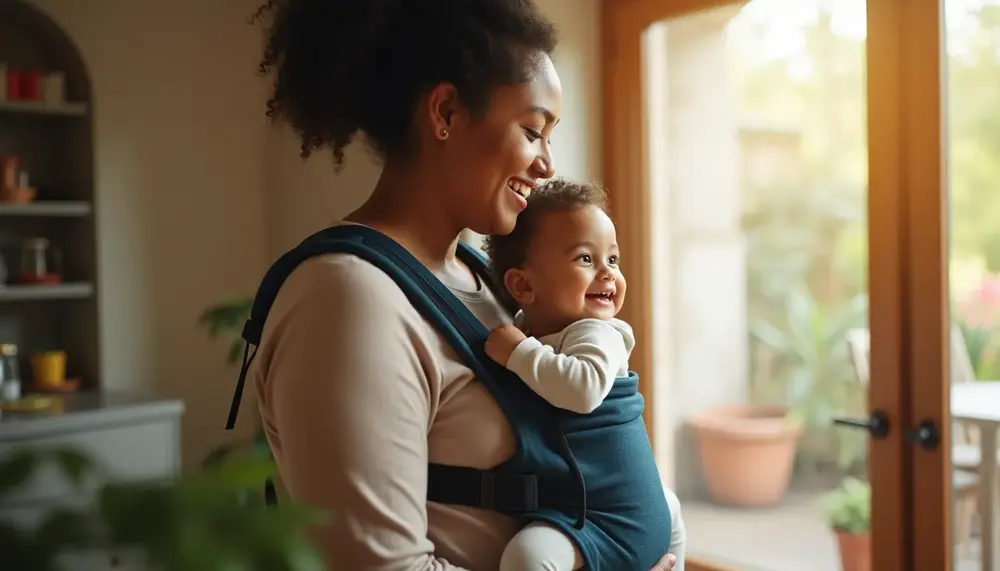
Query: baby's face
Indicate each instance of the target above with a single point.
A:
(571, 271)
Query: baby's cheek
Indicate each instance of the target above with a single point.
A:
(571, 297)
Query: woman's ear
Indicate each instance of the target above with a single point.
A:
(518, 284)
(442, 107)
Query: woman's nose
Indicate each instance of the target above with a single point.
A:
(548, 170)
(543, 165)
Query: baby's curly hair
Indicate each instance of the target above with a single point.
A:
(344, 67)
(557, 195)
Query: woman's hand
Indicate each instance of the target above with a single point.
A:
(666, 563)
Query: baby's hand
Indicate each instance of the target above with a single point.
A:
(502, 341)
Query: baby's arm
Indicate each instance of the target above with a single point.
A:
(581, 376)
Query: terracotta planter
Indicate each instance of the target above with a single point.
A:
(855, 551)
(746, 453)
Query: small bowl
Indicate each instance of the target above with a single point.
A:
(67, 386)
(18, 195)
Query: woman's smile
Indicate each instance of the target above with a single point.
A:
(520, 190)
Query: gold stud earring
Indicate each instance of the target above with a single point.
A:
(443, 134)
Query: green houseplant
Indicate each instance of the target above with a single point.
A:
(849, 514)
(813, 376)
(226, 319)
(196, 522)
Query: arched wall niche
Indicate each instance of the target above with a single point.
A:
(30, 39)
(54, 147)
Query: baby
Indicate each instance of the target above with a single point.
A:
(561, 265)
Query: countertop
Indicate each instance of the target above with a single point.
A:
(86, 411)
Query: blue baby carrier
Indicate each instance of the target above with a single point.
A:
(592, 476)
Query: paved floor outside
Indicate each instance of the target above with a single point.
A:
(789, 537)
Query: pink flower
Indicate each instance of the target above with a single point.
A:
(981, 306)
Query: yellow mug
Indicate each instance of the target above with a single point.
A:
(49, 368)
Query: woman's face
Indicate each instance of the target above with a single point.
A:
(495, 161)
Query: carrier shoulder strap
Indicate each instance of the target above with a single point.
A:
(478, 263)
(446, 484)
(317, 244)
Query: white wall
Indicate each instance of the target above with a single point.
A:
(180, 141)
(196, 193)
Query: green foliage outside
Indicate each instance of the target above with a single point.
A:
(813, 376)
(849, 508)
(806, 228)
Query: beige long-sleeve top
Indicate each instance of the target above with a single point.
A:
(575, 368)
(357, 394)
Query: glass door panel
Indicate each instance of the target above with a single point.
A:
(773, 169)
(972, 136)
(759, 190)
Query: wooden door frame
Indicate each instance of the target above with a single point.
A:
(695, 563)
(625, 160)
(907, 259)
(923, 204)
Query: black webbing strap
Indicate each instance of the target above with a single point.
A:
(270, 493)
(495, 491)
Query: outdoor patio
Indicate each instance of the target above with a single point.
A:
(760, 193)
(789, 537)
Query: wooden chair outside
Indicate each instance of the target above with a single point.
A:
(965, 446)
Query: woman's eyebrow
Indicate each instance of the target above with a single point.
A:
(549, 116)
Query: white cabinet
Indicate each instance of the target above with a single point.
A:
(130, 436)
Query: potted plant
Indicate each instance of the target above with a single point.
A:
(226, 318)
(747, 452)
(195, 522)
(849, 514)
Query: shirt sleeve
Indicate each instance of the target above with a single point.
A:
(580, 376)
(350, 403)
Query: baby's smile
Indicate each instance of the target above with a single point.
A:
(603, 298)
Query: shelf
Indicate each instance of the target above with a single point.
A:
(42, 108)
(55, 143)
(50, 208)
(69, 290)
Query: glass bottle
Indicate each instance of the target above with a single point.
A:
(10, 379)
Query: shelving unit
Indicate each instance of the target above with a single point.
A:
(47, 208)
(54, 144)
(72, 290)
(40, 108)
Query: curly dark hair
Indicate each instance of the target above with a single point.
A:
(344, 67)
(557, 195)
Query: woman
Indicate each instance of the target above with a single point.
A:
(357, 391)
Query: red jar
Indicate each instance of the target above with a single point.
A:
(31, 85)
(13, 84)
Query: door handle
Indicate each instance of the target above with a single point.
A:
(924, 435)
(877, 424)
